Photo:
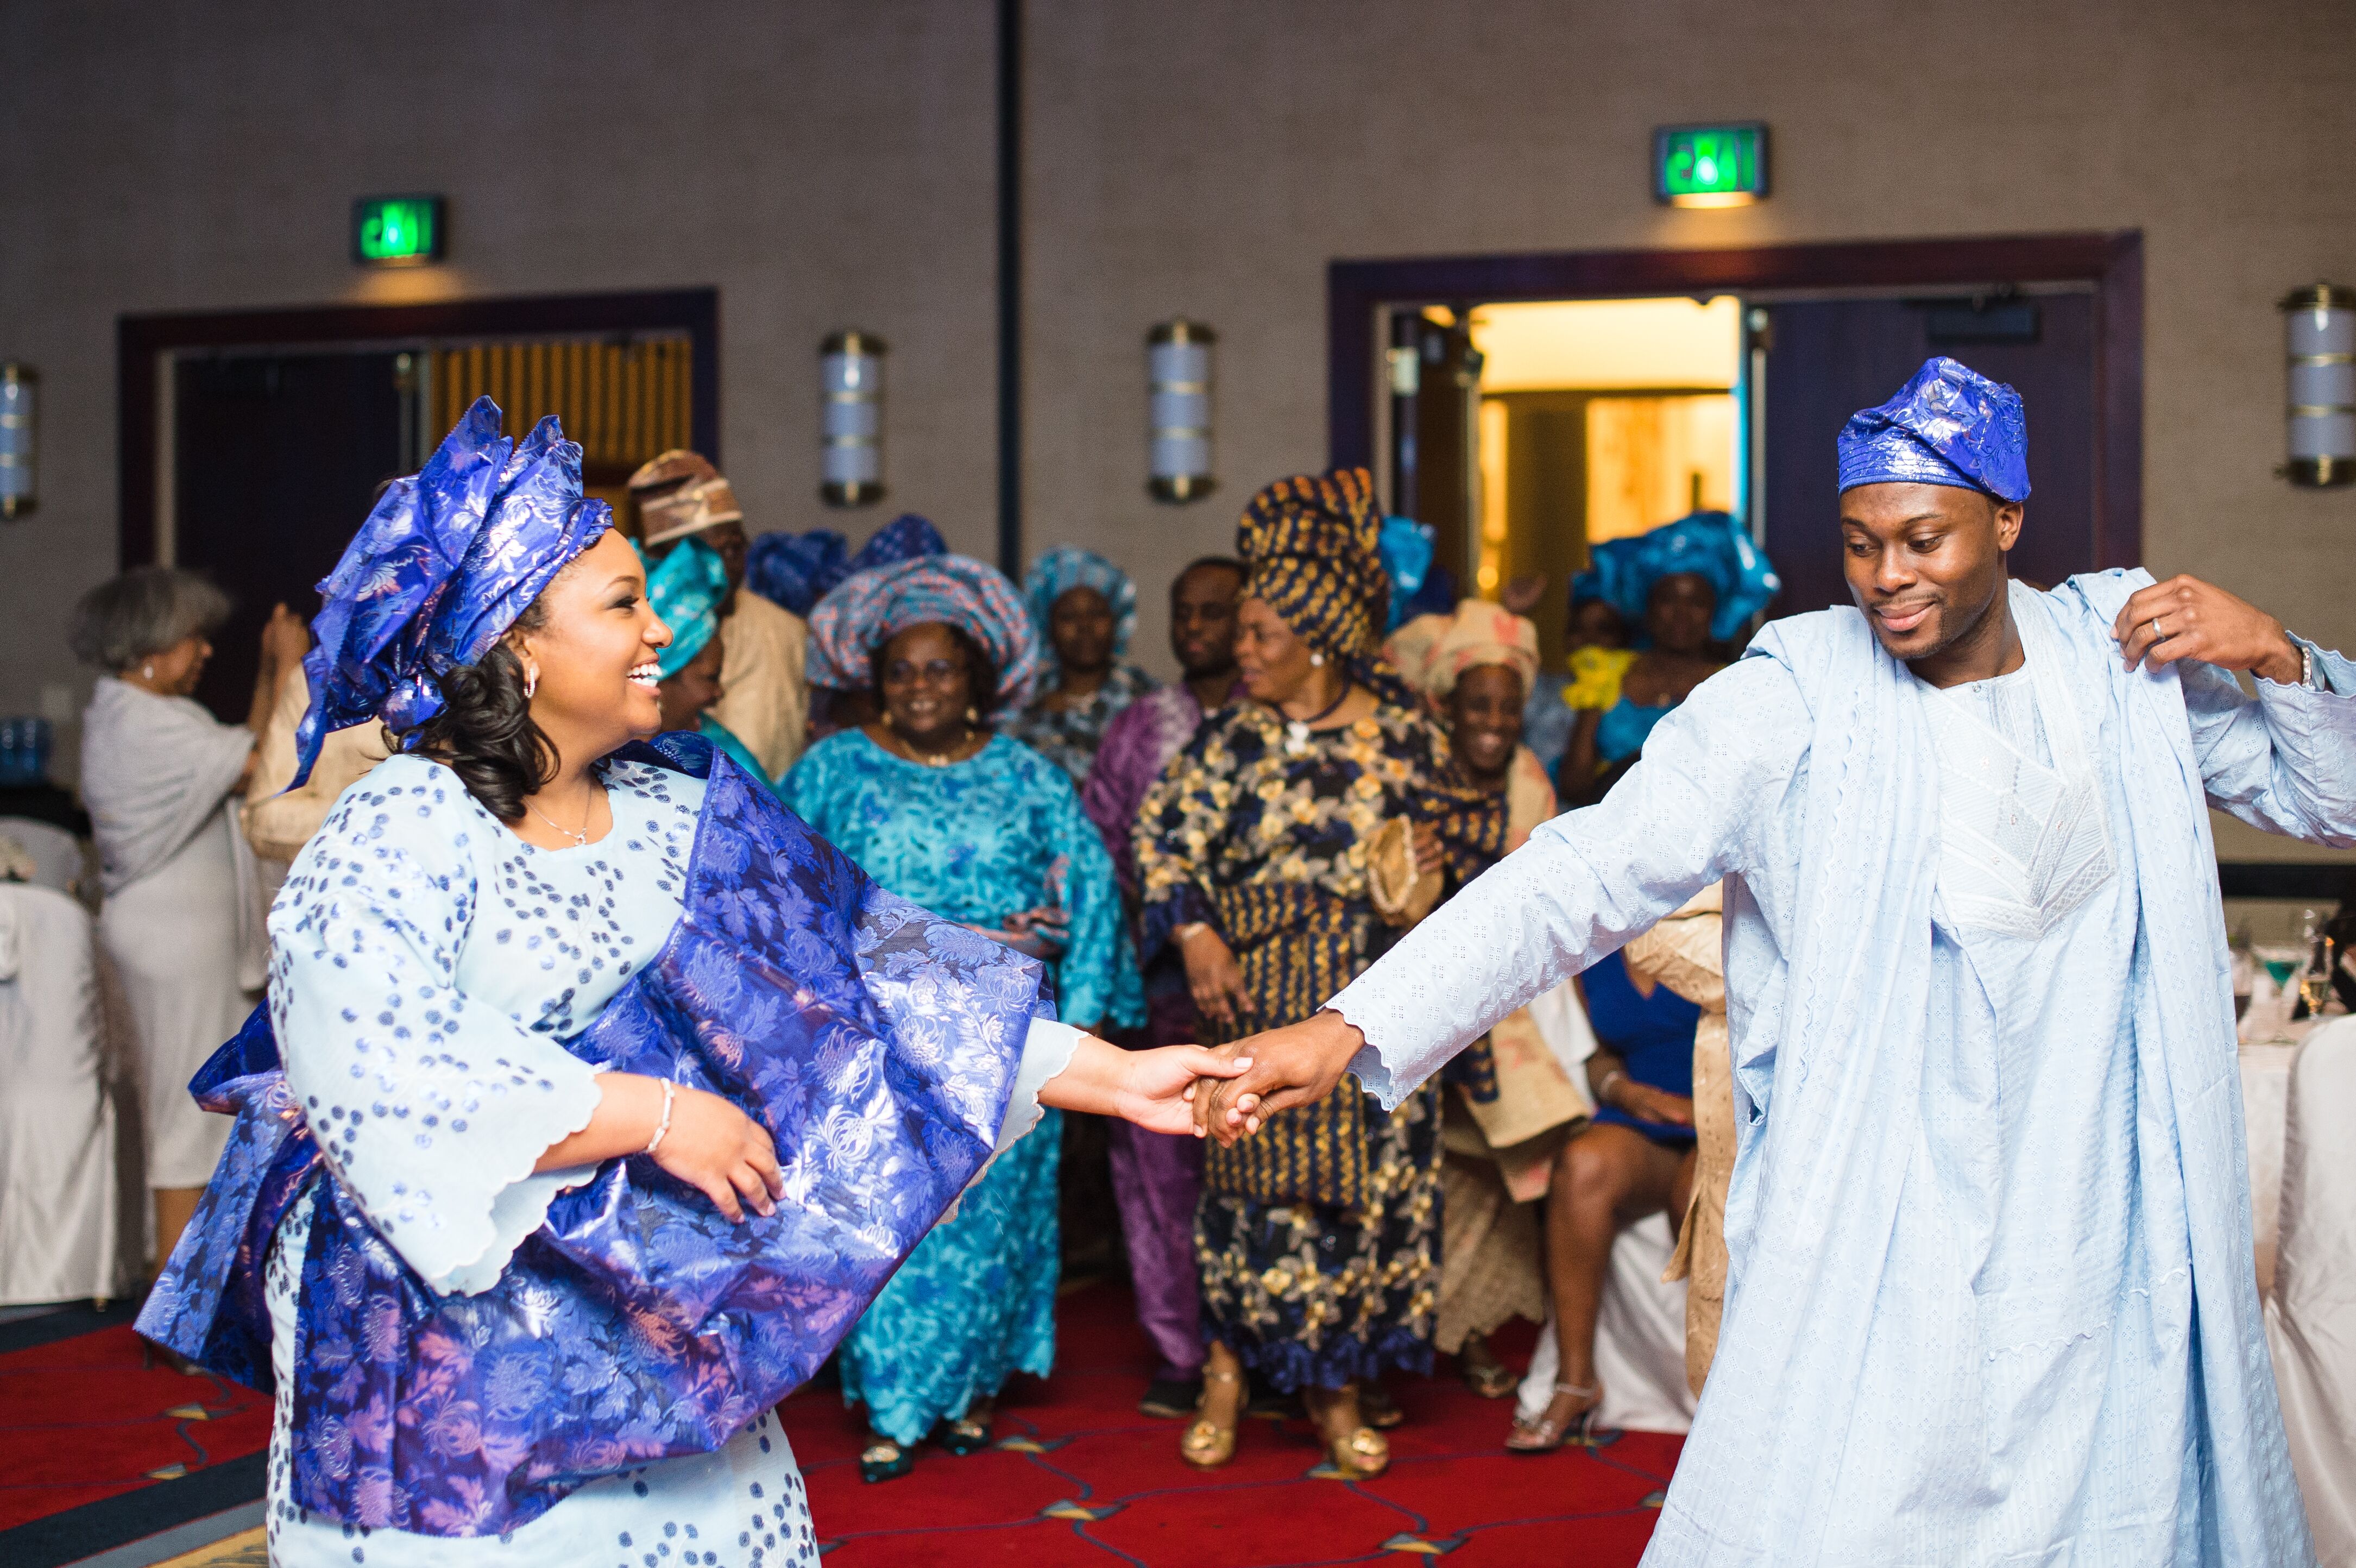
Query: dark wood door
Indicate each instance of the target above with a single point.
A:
(1828, 359)
(276, 459)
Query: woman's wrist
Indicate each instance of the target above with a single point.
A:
(1604, 1089)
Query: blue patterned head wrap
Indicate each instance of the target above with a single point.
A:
(1711, 544)
(870, 608)
(1407, 547)
(1067, 566)
(904, 538)
(442, 566)
(796, 570)
(685, 590)
(1949, 426)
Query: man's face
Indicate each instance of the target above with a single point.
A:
(1925, 561)
(1203, 619)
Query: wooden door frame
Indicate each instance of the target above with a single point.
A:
(1357, 292)
(141, 343)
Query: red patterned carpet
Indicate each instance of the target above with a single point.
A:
(90, 1417)
(1079, 1477)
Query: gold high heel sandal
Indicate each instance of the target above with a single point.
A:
(1360, 1456)
(1207, 1444)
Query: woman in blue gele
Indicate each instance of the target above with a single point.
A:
(1691, 587)
(595, 1096)
(1084, 609)
(981, 828)
(687, 588)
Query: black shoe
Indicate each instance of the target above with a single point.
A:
(884, 1460)
(964, 1437)
(1172, 1399)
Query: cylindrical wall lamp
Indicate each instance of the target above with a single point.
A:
(20, 432)
(851, 419)
(2320, 329)
(1178, 411)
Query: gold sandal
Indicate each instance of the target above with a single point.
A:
(1207, 1444)
(1360, 1456)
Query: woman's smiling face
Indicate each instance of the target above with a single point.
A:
(594, 653)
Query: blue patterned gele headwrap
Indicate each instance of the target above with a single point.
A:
(796, 570)
(685, 590)
(442, 566)
(1949, 426)
(1067, 566)
(1711, 544)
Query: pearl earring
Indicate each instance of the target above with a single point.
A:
(147, 671)
(1316, 661)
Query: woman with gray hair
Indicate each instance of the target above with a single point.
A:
(181, 921)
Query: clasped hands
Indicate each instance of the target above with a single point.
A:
(1297, 1065)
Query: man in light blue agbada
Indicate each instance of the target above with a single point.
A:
(1990, 1296)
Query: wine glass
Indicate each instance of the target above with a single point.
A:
(2314, 973)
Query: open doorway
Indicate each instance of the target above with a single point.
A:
(253, 445)
(1529, 406)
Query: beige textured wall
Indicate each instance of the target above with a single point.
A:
(829, 163)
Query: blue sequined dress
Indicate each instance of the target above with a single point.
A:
(986, 841)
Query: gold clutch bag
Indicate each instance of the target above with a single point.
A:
(1401, 895)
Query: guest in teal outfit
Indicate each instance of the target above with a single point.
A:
(979, 829)
(685, 591)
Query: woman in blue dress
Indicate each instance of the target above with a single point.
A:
(1634, 1159)
(982, 830)
(594, 1097)
(1084, 609)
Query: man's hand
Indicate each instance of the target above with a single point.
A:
(1297, 1065)
(2185, 618)
(1155, 1090)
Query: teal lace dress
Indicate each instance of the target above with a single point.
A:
(999, 842)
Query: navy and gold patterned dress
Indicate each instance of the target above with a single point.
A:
(1319, 1238)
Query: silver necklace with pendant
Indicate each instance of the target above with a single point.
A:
(1296, 731)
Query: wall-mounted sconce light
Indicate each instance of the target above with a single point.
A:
(851, 419)
(21, 440)
(2320, 332)
(1178, 411)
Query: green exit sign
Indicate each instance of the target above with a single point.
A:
(1709, 165)
(396, 230)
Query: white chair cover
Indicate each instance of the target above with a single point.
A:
(57, 852)
(59, 1240)
(2311, 1315)
(1640, 1340)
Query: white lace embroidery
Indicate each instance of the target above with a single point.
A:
(2021, 843)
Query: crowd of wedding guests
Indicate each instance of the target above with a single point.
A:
(1345, 746)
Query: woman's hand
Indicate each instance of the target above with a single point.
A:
(1431, 854)
(1212, 976)
(1158, 1090)
(285, 640)
(722, 1153)
(1646, 1104)
(712, 1146)
(1153, 1088)
(2185, 618)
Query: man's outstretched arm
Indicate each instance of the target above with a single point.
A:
(1584, 883)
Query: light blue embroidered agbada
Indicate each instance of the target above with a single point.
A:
(1991, 1296)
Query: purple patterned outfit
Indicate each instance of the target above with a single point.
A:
(1156, 1178)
